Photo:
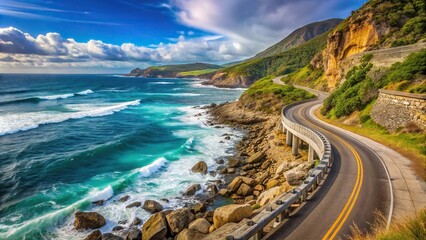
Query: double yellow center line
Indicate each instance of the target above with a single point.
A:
(344, 214)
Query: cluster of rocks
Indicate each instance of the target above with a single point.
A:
(261, 170)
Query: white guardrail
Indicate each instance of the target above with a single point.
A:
(280, 209)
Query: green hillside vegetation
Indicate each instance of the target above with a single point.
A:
(307, 76)
(284, 63)
(406, 20)
(266, 96)
(197, 72)
(175, 70)
(361, 86)
(185, 67)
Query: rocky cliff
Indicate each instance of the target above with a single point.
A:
(377, 24)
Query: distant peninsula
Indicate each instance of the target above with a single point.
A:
(175, 71)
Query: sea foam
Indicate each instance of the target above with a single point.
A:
(103, 194)
(153, 167)
(63, 96)
(15, 122)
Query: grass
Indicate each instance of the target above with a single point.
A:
(197, 72)
(410, 145)
(405, 228)
(266, 96)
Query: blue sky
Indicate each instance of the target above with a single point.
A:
(117, 35)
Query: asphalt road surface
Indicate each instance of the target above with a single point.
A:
(355, 191)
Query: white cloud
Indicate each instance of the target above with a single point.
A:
(257, 23)
(18, 49)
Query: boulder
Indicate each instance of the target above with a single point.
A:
(134, 204)
(86, 220)
(265, 165)
(212, 189)
(192, 190)
(99, 202)
(209, 216)
(94, 235)
(117, 228)
(244, 190)
(152, 206)
(155, 228)
(231, 213)
(223, 192)
(200, 225)
(136, 221)
(233, 162)
(247, 167)
(256, 158)
(230, 170)
(124, 198)
(258, 187)
(260, 179)
(134, 234)
(267, 196)
(110, 236)
(249, 181)
(282, 168)
(272, 183)
(200, 167)
(294, 177)
(179, 219)
(235, 184)
(199, 207)
(188, 234)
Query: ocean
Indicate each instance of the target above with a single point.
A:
(69, 140)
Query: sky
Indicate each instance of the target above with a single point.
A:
(115, 36)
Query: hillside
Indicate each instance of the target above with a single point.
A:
(246, 73)
(172, 71)
(299, 36)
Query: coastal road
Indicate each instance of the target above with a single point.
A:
(356, 189)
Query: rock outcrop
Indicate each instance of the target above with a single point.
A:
(88, 220)
(179, 219)
(231, 213)
(152, 206)
(200, 167)
(155, 228)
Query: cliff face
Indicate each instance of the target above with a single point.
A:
(355, 38)
(378, 24)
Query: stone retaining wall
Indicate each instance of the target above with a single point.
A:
(395, 109)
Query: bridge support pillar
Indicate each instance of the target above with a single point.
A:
(295, 146)
(311, 154)
(289, 138)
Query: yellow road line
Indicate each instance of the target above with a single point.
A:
(344, 214)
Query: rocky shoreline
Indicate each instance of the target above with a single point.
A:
(261, 169)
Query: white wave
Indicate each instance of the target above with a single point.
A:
(104, 194)
(175, 94)
(85, 92)
(15, 122)
(53, 97)
(153, 167)
(162, 83)
(66, 95)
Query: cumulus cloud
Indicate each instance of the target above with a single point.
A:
(44, 50)
(258, 23)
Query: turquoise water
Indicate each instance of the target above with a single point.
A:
(69, 140)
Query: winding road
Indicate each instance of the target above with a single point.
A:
(357, 188)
